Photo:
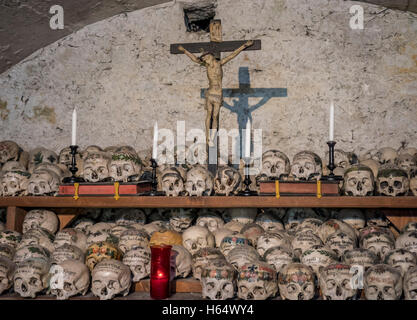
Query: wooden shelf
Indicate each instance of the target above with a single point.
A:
(209, 202)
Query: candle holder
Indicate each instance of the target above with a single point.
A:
(331, 166)
(247, 182)
(160, 284)
(154, 182)
(73, 168)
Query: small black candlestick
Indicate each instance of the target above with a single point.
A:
(154, 182)
(331, 166)
(73, 168)
(247, 182)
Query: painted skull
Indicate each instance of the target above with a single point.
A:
(304, 241)
(228, 181)
(72, 237)
(296, 282)
(376, 218)
(360, 256)
(138, 260)
(269, 222)
(14, 183)
(127, 217)
(306, 165)
(410, 284)
(373, 165)
(183, 261)
(172, 182)
(202, 258)
(130, 239)
(413, 182)
(210, 220)
(67, 252)
(230, 242)
(38, 236)
(41, 155)
(125, 165)
(411, 226)
(234, 226)
(43, 182)
(83, 224)
(31, 277)
(257, 281)
(100, 251)
(269, 240)
(41, 218)
(242, 255)
(31, 251)
(199, 182)
(401, 259)
(7, 270)
(407, 240)
(96, 167)
(318, 257)
(392, 182)
(353, 217)
(296, 216)
(10, 151)
(195, 238)
(242, 215)
(378, 242)
(69, 278)
(7, 251)
(65, 158)
(331, 226)
(382, 282)
(181, 219)
(217, 280)
(340, 242)
(278, 257)
(109, 278)
(221, 233)
(309, 224)
(11, 238)
(275, 165)
(359, 181)
(336, 282)
(12, 166)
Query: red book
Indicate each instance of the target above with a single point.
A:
(299, 188)
(105, 188)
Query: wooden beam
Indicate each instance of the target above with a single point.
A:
(14, 218)
(213, 47)
(404, 5)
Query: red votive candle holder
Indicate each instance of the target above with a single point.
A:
(160, 272)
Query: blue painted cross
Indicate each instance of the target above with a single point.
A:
(240, 105)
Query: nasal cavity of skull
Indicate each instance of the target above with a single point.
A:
(197, 16)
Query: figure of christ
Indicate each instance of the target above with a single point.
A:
(214, 94)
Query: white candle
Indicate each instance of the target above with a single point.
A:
(247, 140)
(74, 128)
(155, 141)
(331, 120)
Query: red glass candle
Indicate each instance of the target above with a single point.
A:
(160, 271)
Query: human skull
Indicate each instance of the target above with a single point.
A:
(7, 251)
(278, 257)
(317, 257)
(116, 231)
(406, 162)
(38, 236)
(371, 229)
(411, 226)
(11, 238)
(183, 261)
(372, 164)
(228, 181)
(65, 158)
(172, 182)
(91, 149)
(69, 278)
(41, 155)
(60, 170)
(126, 217)
(202, 258)
(199, 182)
(376, 218)
(340, 242)
(100, 251)
(343, 159)
(269, 240)
(72, 237)
(210, 220)
(97, 236)
(336, 282)
(133, 238)
(407, 240)
(360, 256)
(382, 282)
(353, 217)
(296, 282)
(269, 222)
(109, 278)
(257, 281)
(138, 259)
(252, 231)
(14, 183)
(241, 255)
(359, 181)
(410, 284)
(230, 242)
(401, 259)
(83, 225)
(331, 226)
(7, 270)
(12, 166)
(413, 182)
(378, 242)
(31, 277)
(41, 218)
(43, 182)
(242, 215)
(180, 219)
(386, 155)
(167, 237)
(67, 252)
(309, 224)
(125, 164)
(304, 241)
(219, 235)
(306, 165)
(31, 251)
(234, 226)
(217, 280)
(152, 227)
(196, 237)
(10, 151)
(96, 167)
(295, 216)
(392, 182)
(275, 165)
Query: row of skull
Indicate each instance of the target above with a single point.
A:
(236, 240)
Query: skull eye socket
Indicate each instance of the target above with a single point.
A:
(346, 284)
(127, 167)
(228, 287)
(309, 287)
(243, 289)
(210, 286)
(330, 284)
(353, 182)
(291, 288)
(67, 286)
(33, 281)
(389, 291)
(259, 291)
(398, 184)
(384, 184)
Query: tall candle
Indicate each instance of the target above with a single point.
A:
(331, 122)
(74, 127)
(247, 140)
(155, 141)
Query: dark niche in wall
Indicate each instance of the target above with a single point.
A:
(197, 16)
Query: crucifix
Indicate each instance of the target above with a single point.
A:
(211, 59)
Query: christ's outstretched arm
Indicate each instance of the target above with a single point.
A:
(190, 55)
(236, 52)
